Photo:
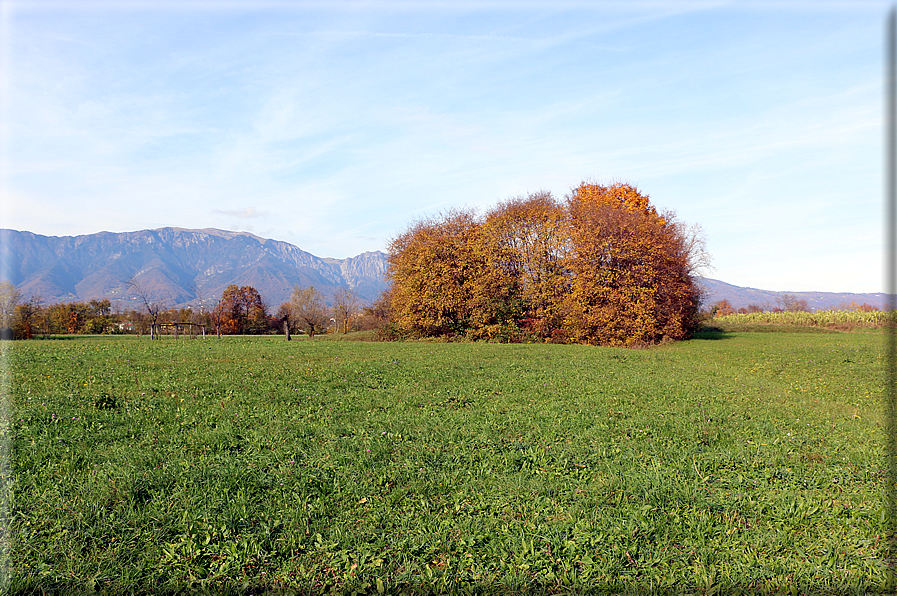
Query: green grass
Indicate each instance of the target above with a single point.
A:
(736, 462)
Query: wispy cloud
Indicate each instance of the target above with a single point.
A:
(248, 213)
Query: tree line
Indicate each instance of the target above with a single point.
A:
(600, 266)
(783, 303)
(241, 310)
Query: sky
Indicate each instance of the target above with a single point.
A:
(335, 125)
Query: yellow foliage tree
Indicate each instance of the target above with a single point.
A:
(618, 195)
(529, 238)
(441, 280)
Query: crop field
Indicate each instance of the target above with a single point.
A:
(736, 462)
(821, 318)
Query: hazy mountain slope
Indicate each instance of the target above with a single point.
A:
(742, 297)
(177, 266)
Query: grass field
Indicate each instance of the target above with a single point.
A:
(735, 462)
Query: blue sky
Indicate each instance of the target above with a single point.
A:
(334, 125)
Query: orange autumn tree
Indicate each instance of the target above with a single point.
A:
(241, 310)
(442, 283)
(619, 195)
(632, 269)
(528, 241)
(602, 267)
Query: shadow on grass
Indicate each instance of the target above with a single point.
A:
(728, 330)
(711, 332)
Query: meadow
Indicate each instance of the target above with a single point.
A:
(736, 462)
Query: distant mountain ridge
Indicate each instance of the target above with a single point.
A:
(740, 297)
(177, 266)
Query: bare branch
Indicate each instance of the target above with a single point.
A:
(153, 307)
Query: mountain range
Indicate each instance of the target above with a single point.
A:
(180, 267)
(740, 297)
(177, 267)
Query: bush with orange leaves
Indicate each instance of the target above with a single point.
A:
(632, 269)
(601, 267)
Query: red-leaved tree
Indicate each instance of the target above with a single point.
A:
(240, 311)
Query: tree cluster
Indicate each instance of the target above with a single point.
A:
(784, 303)
(25, 319)
(307, 312)
(241, 311)
(601, 266)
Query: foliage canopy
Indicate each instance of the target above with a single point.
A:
(241, 311)
(601, 266)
